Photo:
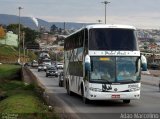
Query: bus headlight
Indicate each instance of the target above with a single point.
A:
(134, 89)
(95, 89)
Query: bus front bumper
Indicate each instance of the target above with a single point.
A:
(113, 96)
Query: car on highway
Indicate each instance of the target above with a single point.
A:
(34, 64)
(59, 65)
(61, 78)
(154, 66)
(27, 64)
(42, 67)
(51, 71)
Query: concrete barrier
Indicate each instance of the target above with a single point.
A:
(151, 77)
(150, 80)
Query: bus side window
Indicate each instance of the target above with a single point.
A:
(85, 41)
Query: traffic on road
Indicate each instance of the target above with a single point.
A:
(148, 102)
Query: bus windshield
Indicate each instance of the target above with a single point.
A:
(112, 39)
(115, 69)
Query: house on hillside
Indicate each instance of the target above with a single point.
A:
(10, 39)
(154, 58)
(153, 47)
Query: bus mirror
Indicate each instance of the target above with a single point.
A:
(87, 63)
(143, 63)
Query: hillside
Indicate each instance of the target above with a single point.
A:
(28, 22)
(9, 54)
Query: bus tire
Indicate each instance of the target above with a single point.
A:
(68, 90)
(84, 99)
(59, 84)
(126, 101)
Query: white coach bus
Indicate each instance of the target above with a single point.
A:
(103, 62)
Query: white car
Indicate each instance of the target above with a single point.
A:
(59, 65)
(42, 67)
(34, 64)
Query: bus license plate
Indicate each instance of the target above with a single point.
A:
(115, 96)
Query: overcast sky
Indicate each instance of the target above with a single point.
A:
(140, 13)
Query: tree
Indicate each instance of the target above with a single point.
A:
(14, 28)
(2, 33)
(30, 35)
(152, 40)
(53, 28)
(145, 46)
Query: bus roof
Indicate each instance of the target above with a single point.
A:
(110, 26)
(118, 26)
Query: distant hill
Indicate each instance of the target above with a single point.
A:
(27, 21)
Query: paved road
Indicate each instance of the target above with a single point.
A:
(149, 102)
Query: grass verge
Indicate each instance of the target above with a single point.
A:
(8, 50)
(8, 71)
(22, 100)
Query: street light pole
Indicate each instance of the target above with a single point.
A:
(23, 49)
(105, 3)
(19, 35)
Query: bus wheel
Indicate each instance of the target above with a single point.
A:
(68, 90)
(126, 101)
(59, 84)
(84, 99)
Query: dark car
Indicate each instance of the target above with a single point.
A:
(154, 66)
(27, 64)
(61, 79)
(52, 71)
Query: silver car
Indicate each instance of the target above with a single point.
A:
(42, 67)
(59, 65)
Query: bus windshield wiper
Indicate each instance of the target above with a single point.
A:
(132, 80)
(106, 81)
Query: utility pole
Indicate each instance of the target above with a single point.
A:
(64, 26)
(19, 34)
(105, 3)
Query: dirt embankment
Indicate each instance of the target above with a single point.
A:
(12, 59)
(8, 59)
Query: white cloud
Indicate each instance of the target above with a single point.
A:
(144, 21)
